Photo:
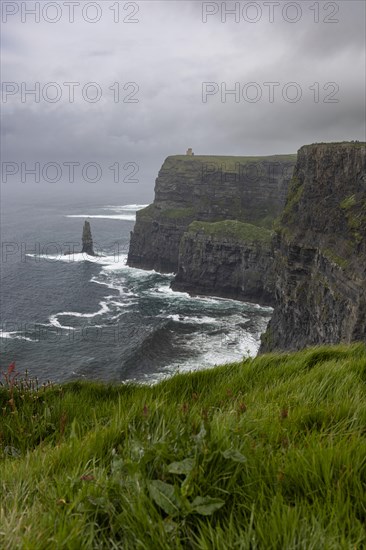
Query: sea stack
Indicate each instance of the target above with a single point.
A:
(87, 240)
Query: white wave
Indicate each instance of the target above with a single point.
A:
(55, 323)
(14, 335)
(117, 264)
(205, 300)
(74, 257)
(122, 304)
(53, 319)
(192, 320)
(211, 351)
(216, 350)
(230, 349)
(125, 207)
(121, 263)
(125, 217)
(167, 291)
(104, 309)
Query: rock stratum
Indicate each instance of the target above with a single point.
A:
(211, 221)
(228, 258)
(320, 251)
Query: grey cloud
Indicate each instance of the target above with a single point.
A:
(169, 54)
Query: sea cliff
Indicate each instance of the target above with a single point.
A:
(245, 192)
(320, 251)
(229, 258)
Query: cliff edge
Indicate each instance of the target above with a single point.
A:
(320, 251)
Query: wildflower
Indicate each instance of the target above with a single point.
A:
(87, 477)
(11, 367)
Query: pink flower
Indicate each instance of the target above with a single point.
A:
(11, 367)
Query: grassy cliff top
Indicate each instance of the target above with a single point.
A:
(231, 161)
(289, 157)
(337, 143)
(265, 453)
(231, 229)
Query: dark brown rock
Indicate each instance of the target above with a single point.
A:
(87, 240)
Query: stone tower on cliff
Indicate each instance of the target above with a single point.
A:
(87, 240)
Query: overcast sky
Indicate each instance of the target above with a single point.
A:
(162, 53)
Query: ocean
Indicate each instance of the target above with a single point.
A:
(67, 317)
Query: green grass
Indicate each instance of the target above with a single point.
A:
(356, 144)
(332, 256)
(232, 229)
(148, 213)
(269, 453)
(294, 195)
(355, 210)
(152, 213)
(178, 213)
(348, 202)
(231, 162)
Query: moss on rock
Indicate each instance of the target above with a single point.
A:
(232, 229)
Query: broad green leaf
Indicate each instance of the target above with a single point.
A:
(183, 467)
(235, 455)
(206, 505)
(165, 496)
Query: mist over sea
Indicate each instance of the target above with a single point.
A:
(66, 317)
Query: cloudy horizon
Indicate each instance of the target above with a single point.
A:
(127, 84)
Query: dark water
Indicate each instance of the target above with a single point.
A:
(66, 316)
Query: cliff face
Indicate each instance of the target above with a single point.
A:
(204, 188)
(320, 251)
(230, 258)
